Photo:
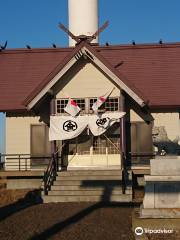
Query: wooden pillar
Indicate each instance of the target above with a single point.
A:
(123, 132)
(52, 112)
(123, 142)
(54, 143)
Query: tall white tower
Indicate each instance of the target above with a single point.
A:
(83, 18)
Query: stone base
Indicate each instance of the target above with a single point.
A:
(162, 192)
(159, 212)
(165, 166)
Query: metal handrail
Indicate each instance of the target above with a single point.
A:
(20, 161)
(51, 171)
(50, 174)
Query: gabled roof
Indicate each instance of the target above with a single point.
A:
(153, 68)
(87, 50)
(152, 71)
(23, 70)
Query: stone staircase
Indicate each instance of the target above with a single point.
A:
(89, 186)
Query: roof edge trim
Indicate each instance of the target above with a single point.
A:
(115, 78)
(85, 49)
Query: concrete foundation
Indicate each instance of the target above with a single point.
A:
(162, 190)
(160, 213)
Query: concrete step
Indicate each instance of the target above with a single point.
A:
(89, 186)
(80, 198)
(76, 190)
(79, 187)
(89, 172)
(87, 192)
(88, 183)
(89, 177)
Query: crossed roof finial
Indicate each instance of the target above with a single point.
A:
(3, 47)
(81, 38)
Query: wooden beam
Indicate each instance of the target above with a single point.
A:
(122, 132)
(94, 36)
(68, 32)
(52, 112)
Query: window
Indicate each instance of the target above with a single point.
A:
(61, 104)
(111, 104)
(81, 103)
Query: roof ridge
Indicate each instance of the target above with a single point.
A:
(139, 46)
(104, 47)
(35, 50)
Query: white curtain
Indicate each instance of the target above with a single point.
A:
(98, 124)
(67, 127)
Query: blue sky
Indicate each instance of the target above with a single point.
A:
(34, 22)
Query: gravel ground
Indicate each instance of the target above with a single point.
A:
(24, 217)
(66, 221)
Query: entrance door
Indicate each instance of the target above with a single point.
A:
(96, 151)
(141, 142)
(40, 144)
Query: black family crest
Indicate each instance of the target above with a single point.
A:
(103, 122)
(70, 126)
